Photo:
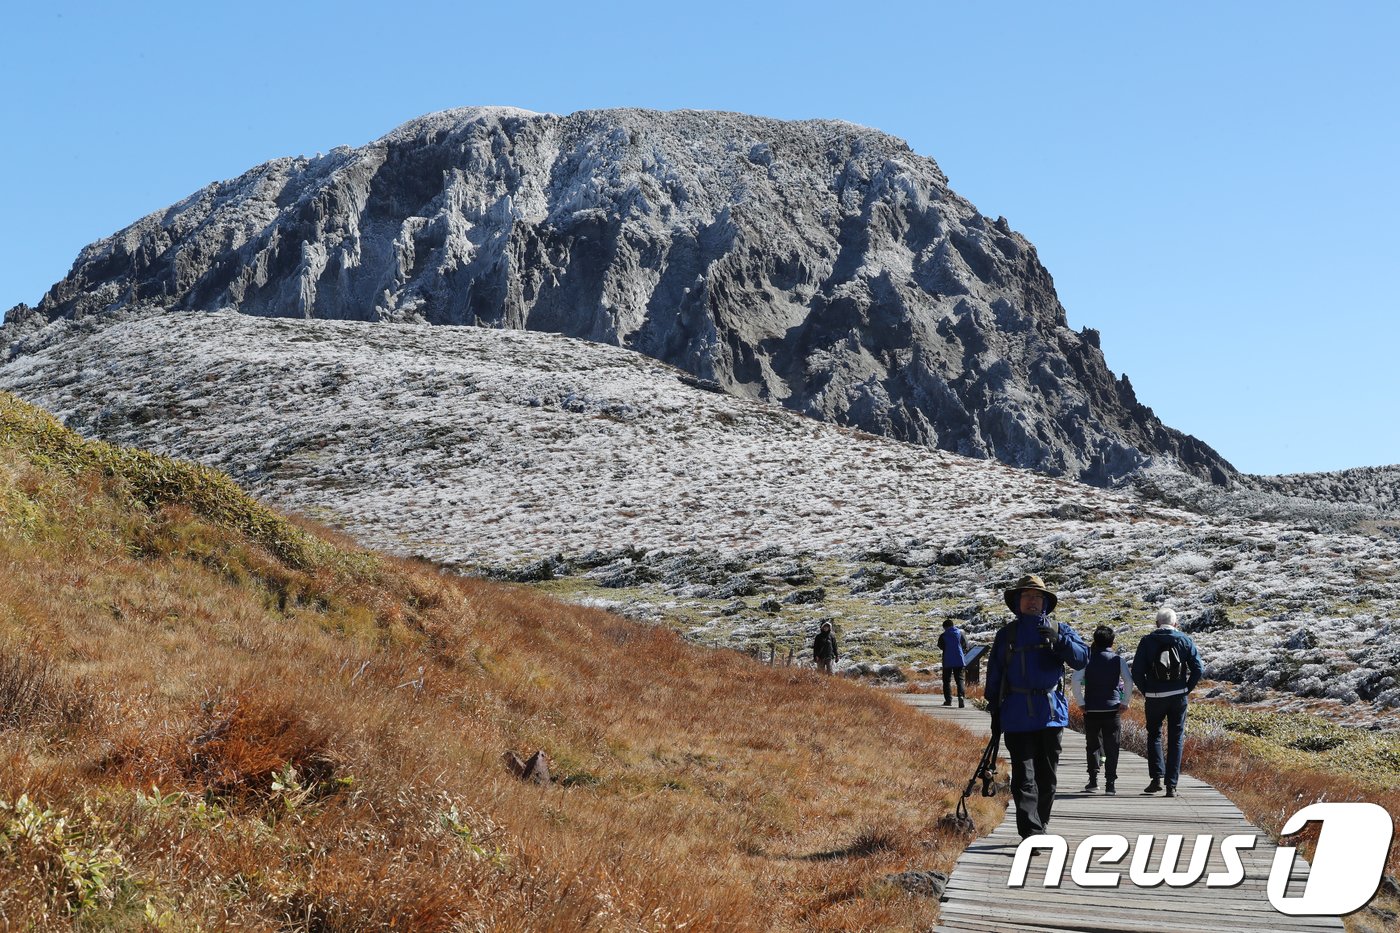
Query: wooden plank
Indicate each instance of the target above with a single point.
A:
(1111, 918)
(977, 899)
(1109, 922)
(1180, 900)
(1059, 923)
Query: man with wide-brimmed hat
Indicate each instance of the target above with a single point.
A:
(1026, 697)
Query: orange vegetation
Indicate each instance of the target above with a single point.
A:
(213, 718)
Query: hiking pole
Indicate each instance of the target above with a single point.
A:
(987, 773)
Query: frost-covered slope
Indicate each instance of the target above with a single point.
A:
(1353, 500)
(817, 264)
(1376, 487)
(737, 520)
(472, 444)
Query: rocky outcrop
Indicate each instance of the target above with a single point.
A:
(1375, 487)
(1366, 499)
(817, 264)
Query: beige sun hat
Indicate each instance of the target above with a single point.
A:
(1030, 582)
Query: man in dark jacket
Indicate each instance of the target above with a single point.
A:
(954, 646)
(1166, 668)
(824, 649)
(1026, 697)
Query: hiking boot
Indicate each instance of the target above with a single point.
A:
(1093, 782)
(1108, 788)
(1171, 790)
(1154, 788)
(962, 705)
(947, 702)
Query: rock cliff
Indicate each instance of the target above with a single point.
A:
(817, 264)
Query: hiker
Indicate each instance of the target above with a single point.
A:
(824, 649)
(1102, 690)
(954, 646)
(1026, 697)
(1166, 668)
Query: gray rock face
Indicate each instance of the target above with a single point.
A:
(818, 264)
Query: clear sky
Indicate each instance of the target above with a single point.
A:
(1212, 185)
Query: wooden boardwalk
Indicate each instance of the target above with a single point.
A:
(978, 900)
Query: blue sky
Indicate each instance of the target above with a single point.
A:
(1212, 185)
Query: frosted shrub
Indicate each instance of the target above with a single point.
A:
(1250, 693)
(1189, 563)
(1308, 686)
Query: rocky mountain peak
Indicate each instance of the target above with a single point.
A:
(815, 263)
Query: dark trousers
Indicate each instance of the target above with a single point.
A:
(1101, 732)
(1173, 711)
(949, 675)
(1034, 758)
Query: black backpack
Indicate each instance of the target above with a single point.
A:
(1169, 662)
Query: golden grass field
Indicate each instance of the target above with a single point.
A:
(213, 717)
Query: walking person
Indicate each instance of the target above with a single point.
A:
(1166, 668)
(1026, 697)
(954, 646)
(824, 650)
(1102, 690)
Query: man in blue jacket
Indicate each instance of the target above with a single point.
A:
(953, 644)
(1166, 668)
(1025, 694)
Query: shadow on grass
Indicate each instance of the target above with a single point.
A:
(868, 842)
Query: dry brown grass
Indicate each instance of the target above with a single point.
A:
(219, 720)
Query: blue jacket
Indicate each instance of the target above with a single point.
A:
(954, 645)
(1152, 644)
(1028, 672)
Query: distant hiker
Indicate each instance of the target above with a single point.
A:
(1102, 690)
(1166, 669)
(954, 646)
(1027, 699)
(824, 649)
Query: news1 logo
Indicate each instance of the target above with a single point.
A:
(1352, 846)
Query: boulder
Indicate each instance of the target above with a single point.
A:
(923, 883)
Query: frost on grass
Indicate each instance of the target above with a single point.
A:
(610, 478)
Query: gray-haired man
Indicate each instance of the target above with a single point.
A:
(1166, 668)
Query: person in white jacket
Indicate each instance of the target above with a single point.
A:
(1102, 690)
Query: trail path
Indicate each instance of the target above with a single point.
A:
(978, 900)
